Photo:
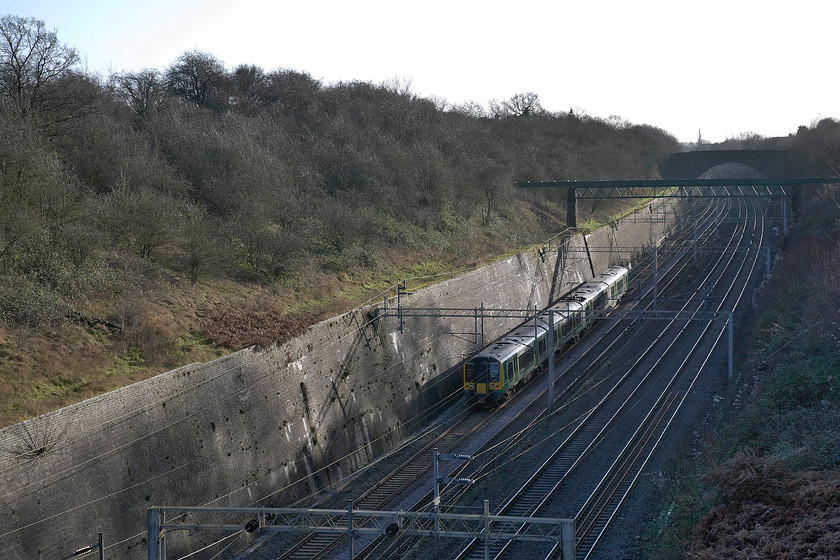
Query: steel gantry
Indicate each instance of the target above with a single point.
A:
(353, 522)
(723, 317)
(678, 188)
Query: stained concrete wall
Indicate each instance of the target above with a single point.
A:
(262, 427)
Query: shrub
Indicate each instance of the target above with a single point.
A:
(24, 301)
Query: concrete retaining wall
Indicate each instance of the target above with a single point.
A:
(263, 427)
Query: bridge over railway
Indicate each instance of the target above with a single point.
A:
(691, 165)
(683, 177)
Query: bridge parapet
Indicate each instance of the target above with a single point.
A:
(692, 165)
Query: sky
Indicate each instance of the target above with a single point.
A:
(713, 69)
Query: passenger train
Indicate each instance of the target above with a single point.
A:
(514, 358)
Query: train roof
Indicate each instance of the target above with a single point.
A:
(524, 334)
(612, 274)
(592, 288)
(503, 348)
(565, 307)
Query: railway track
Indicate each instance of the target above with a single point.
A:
(599, 510)
(533, 495)
(315, 547)
(580, 435)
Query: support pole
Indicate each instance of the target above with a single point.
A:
(784, 217)
(486, 529)
(436, 501)
(655, 277)
(482, 325)
(101, 546)
(550, 348)
(476, 330)
(767, 272)
(731, 336)
(567, 542)
(350, 528)
(571, 207)
(153, 537)
(399, 307)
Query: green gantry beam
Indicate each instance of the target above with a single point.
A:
(681, 188)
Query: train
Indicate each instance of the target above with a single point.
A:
(510, 361)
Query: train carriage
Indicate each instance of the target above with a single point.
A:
(510, 361)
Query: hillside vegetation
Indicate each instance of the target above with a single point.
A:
(160, 217)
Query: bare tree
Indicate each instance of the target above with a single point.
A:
(144, 91)
(245, 79)
(142, 218)
(197, 239)
(525, 104)
(196, 76)
(31, 58)
(471, 109)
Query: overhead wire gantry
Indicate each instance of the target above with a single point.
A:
(788, 187)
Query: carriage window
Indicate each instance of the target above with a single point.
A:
(526, 360)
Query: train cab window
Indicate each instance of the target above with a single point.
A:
(478, 370)
(494, 370)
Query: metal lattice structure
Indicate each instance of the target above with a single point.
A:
(352, 522)
(681, 188)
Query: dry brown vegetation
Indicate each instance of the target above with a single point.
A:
(234, 327)
(770, 512)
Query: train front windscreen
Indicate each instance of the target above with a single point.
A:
(482, 371)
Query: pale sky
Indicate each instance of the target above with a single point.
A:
(718, 67)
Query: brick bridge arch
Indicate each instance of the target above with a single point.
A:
(691, 165)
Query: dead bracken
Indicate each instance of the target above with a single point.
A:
(799, 520)
(240, 328)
